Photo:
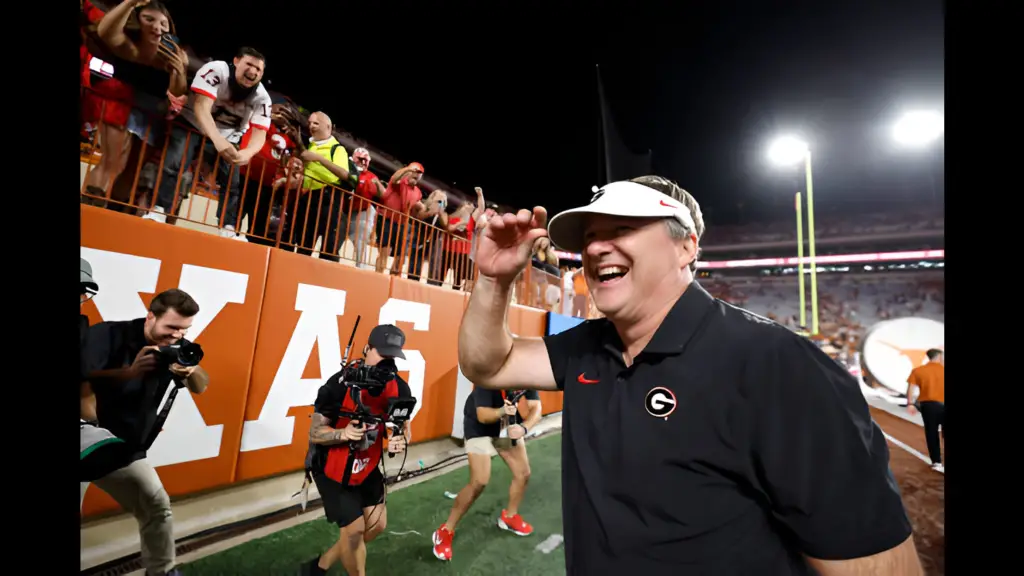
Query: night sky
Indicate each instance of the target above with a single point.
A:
(503, 95)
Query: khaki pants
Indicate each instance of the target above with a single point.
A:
(487, 446)
(138, 490)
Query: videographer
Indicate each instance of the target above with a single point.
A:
(137, 360)
(347, 452)
(492, 426)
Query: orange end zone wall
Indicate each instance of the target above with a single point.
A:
(273, 325)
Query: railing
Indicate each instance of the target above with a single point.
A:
(278, 206)
(172, 166)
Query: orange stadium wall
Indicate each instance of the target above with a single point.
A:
(273, 325)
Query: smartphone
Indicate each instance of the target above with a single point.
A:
(170, 41)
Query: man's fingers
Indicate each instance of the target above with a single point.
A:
(540, 217)
(494, 224)
(534, 235)
(523, 217)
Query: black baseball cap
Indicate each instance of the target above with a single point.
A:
(388, 339)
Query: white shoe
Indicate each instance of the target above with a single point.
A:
(156, 215)
(939, 468)
(229, 232)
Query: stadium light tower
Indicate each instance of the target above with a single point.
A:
(918, 128)
(786, 151)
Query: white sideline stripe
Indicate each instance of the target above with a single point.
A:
(912, 452)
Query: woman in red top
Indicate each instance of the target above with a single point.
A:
(137, 37)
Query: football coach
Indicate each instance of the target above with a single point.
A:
(698, 438)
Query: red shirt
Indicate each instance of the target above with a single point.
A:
(359, 463)
(455, 245)
(92, 15)
(400, 197)
(269, 156)
(365, 188)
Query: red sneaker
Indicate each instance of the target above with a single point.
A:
(443, 543)
(514, 524)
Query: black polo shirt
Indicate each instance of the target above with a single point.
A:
(127, 409)
(473, 428)
(730, 446)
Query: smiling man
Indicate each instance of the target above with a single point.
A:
(698, 438)
(130, 379)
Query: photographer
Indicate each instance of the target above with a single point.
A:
(493, 425)
(137, 360)
(347, 453)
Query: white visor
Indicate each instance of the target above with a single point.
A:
(628, 199)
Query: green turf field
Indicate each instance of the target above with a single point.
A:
(480, 547)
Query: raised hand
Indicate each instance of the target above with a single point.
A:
(507, 243)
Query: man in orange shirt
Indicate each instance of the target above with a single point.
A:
(928, 386)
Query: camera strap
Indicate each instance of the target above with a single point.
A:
(161, 418)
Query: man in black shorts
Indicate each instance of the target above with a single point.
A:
(492, 426)
(347, 454)
(698, 438)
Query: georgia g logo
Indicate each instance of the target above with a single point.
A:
(660, 402)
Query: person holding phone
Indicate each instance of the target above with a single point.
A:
(397, 228)
(492, 425)
(137, 38)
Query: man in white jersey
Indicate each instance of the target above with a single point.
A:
(226, 99)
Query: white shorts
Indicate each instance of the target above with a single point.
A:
(487, 446)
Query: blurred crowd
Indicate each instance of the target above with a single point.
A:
(831, 226)
(848, 304)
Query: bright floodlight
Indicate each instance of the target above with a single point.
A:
(787, 150)
(918, 128)
(594, 189)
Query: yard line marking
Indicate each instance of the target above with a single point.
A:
(910, 450)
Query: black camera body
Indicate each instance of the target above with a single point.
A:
(357, 377)
(184, 352)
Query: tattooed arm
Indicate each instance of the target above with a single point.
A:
(321, 433)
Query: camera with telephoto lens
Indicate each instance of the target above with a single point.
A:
(184, 353)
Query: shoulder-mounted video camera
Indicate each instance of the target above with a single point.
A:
(182, 352)
(356, 377)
